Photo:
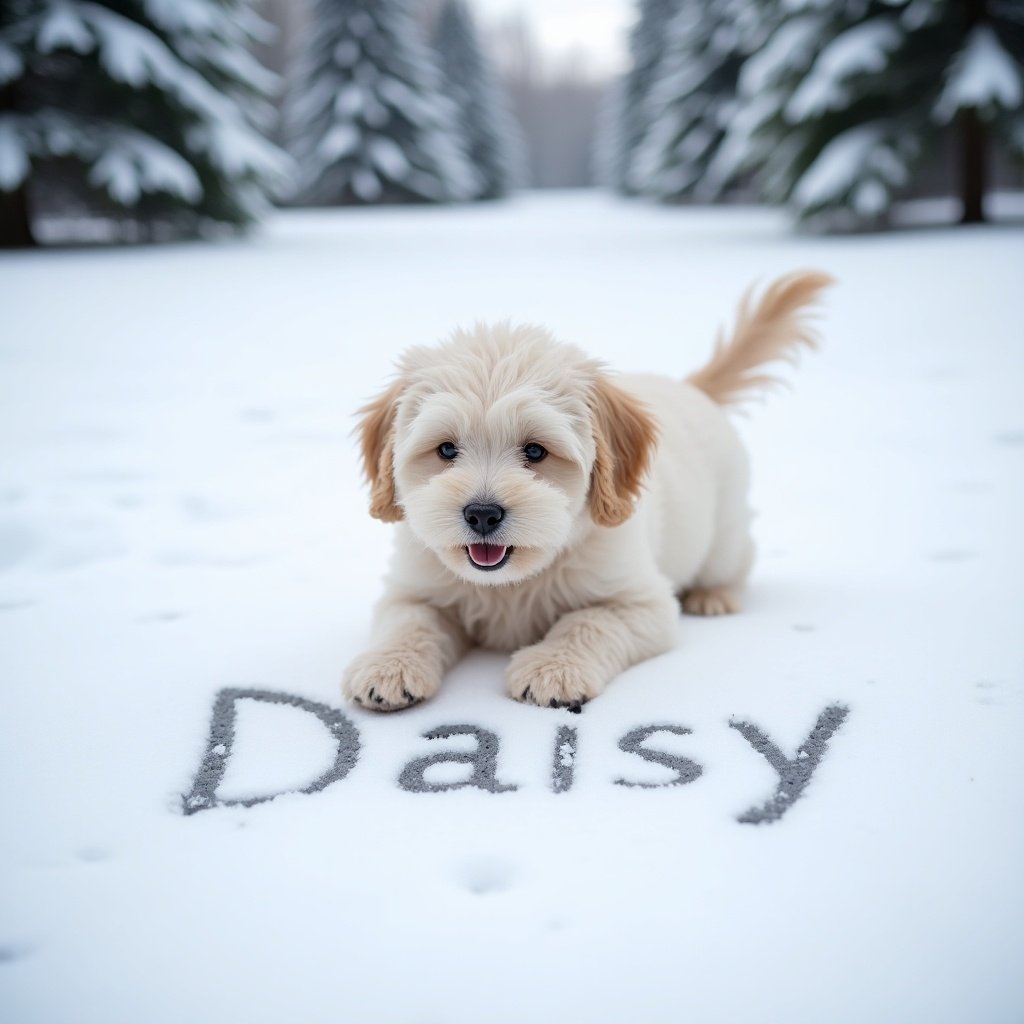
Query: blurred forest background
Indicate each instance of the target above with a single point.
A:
(145, 120)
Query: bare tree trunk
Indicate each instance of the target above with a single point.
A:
(15, 216)
(15, 220)
(972, 141)
(972, 180)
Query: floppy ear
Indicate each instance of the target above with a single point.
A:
(625, 435)
(377, 437)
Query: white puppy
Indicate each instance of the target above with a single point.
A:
(552, 510)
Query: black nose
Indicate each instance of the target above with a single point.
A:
(483, 519)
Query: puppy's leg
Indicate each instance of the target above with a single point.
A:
(711, 601)
(414, 644)
(586, 649)
(718, 588)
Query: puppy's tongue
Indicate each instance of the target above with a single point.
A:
(487, 554)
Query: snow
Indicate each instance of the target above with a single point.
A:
(126, 162)
(14, 162)
(982, 75)
(11, 64)
(863, 48)
(237, 150)
(366, 184)
(132, 54)
(413, 105)
(133, 164)
(181, 513)
(194, 16)
(738, 145)
(339, 140)
(846, 163)
(62, 26)
(387, 155)
(919, 13)
(346, 53)
(243, 66)
(787, 48)
(349, 100)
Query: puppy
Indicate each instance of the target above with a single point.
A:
(552, 510)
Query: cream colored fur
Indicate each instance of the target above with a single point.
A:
(641, 503)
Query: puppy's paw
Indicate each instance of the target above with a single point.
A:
(539, 676)
(711, 601)
(389, 681)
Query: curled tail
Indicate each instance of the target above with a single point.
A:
(766, 332)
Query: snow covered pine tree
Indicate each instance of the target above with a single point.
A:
(608, 153)
(141, 111)
(370, 123)
(845, 102)
(693, 98)
(494, 141)
(646, 45)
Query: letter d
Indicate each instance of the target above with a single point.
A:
(222, 737)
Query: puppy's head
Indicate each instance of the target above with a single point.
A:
(500, 448)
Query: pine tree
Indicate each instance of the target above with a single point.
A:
(693, 98)
(370, 122)
(143, 111)
(983, 90)
(608, 152)
(846, 102)
(494, 141)
(646, 45)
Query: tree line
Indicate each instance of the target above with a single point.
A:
(148, 119)
(152, 117)
(832, 108)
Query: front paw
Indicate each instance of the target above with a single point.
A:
(542, 676)
(389, 681)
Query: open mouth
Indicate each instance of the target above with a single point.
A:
(488, 557)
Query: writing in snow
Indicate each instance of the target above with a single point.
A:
(794, 773)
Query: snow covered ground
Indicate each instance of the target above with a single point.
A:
(181, 514)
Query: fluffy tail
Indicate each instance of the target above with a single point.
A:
(767, 332)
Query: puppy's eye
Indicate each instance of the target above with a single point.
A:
(534, 452)
(447, 451)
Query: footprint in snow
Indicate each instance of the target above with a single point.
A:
(949, 555)
(93, 854)
(161, 617)
(17, 541)
(10, 952)
(257, 415)
(204, 510)
(988, 694)
(1010, 439)
(109, 475)
(126, 501)
(201, 560)
(484, 875)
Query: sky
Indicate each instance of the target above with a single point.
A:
(593, 30)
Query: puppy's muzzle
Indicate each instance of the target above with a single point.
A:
(483, 519)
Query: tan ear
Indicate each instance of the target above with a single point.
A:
(377, 437)
(625, 435)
